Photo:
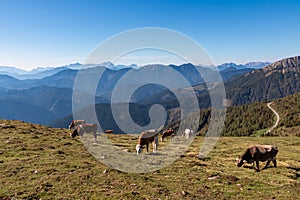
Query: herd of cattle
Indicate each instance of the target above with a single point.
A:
(253, 154)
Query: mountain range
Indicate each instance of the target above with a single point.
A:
(42, 72)
(250, 65)
(46, 97)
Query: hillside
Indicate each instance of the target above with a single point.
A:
(10, 109)
(245, 120)
(41, 104)
(274, 81)
(139, 114)
(289, 112)
(11, 83)
(252, 119)
(38, 162)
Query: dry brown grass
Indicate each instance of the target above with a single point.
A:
(40, 162)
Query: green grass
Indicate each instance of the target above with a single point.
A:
(40, 162)
(260, 133)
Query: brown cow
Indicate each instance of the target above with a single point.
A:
(75, 123)
(259, 153)
(109, 131)
(85, 128)
(167, 133)
(146, 137)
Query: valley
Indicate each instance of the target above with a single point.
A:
(48, 100)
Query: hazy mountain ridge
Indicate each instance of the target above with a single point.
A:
(250, 65)
(53, 94)
(42, 72)
(15, 109)
(9, 82)
(66, 77)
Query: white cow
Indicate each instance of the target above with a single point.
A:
(187, 133)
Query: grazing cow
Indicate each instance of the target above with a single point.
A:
(75, 123)
(167, 133)
(259, 153)
(109, 131)
(146, 137)
(187, 133)
(85, 128)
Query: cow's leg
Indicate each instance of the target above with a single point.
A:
(95, 137)
(147, 147)
(257, 165)
(81, 134)
(275, 162)
(155, 144)
(267, 164)
(154, 147)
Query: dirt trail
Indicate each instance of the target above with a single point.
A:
(277, 118)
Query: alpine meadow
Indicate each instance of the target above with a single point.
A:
(149, 100)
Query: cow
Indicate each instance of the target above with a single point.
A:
(75, 123)
(167, 133)
(146, 137)
(187, 133)
(85, 128)
(259, 153)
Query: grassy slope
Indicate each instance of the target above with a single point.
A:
(288, 109)
(255, 119)
(39, 162)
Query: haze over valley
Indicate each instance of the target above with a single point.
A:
(47, 99)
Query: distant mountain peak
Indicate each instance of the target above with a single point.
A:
(257, 65)
(249, 65)
(291, 64)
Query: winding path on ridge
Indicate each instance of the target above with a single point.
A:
(277, 118)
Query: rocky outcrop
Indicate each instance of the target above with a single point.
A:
(285, 65)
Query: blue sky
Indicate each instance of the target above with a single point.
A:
(36, 33)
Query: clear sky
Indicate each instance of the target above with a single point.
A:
(36, 33)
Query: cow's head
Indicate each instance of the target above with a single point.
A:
(239, 162)
(73, 133)
(72, 124)
(138, 149)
